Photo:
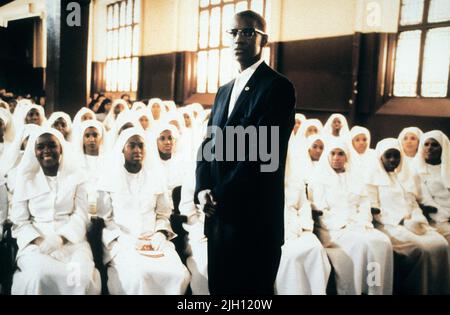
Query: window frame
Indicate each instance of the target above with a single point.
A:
(424, 26)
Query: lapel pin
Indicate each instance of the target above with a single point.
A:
(247, 89)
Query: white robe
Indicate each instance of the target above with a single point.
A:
(91, 167)
(425, 258)
(127, 216)
(353, 245)
(74, 271)
(304, 266)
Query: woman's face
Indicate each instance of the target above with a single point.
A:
(187, 120)
(87, 116)
(432, 151)
(156, 111)
(410, 144)
(360, 143)
(336, 125)
(391, 159)
(316, 149)
(165, 142)
(312, 130)
(337, 160)
(91, 141)
(61, 125)
(48, 151)
(145, 123)
(134, 151)
(33, 117)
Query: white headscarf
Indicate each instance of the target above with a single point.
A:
(300, 138)
(7, 118)
(328, 128)
(304, 163)
(114, 176)
(157, 101)
(414, 130)
(378, 176)
(77, 119)
(138, 106)
(21, 114)
(326, 175)
(419, 160)
(368, 154)
(110, 118)
(31, 181)
(55, 116)
(78, 138)
(123, 119)
(171, 105)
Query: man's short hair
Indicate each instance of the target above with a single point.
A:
(260, 21)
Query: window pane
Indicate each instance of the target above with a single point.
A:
(204, 3)
(136, 40)
(241, 6)
(122, 42)
(411, 12)
(128, 41)
(129, 12)
(123, 13)
(214, 25)
(134, 74)
(439, 11)
(204, 27)
(258, 6)
(226, 66)
(213, 70)
(202, 71)
(109, 44)
(110, 17)
(215, 1)
(116, 15)
(115, 53)
(227, 16)
(436, 63)
(113, 75)
(137, 11)
(407, 64)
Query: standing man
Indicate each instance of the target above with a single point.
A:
(244, 205)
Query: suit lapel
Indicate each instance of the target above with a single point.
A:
(222, 113)
(249, 89)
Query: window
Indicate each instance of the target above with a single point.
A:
(123, 41)
(422, 58)
(215, 65)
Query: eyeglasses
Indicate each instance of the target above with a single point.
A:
(246, 32)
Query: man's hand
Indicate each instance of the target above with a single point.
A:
(207, 203)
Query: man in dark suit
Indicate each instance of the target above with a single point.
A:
(243, 201)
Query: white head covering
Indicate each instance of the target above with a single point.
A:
(419, 160)
(110, 118)
(147, 113)
(7, 118)
(378, 176)
(304, 164)
(137, 106)
(114, 176)
(198, 108)
(369, 153)
(326, 175)
(414, 130)
(328, 128)
(55, 116)
(4, 105)
(300, 137)
(11, 155)
(77, 119)
(21, 115)
(157, 101)
(171, 105)
(31, 179)
(300, 117)
(123, 119)
(78, 138)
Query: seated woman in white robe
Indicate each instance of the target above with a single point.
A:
(30, 114)
(304, 266)
(49, 214)
(145, 118)
(118, 106)
(191, 133)
(197, 243)
(136, 208)
(336, 127)
(89, 148)
(169, 158)
(362, 156)
(422, 266)
(432, 164)
(6, 130)
(361, 255)
(61, 122)
(409, 139)
(125, 120)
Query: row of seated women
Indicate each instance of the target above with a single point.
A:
(52, 184)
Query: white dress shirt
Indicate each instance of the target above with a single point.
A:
(240, 83)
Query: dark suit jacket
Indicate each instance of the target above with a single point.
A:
(250, 202)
